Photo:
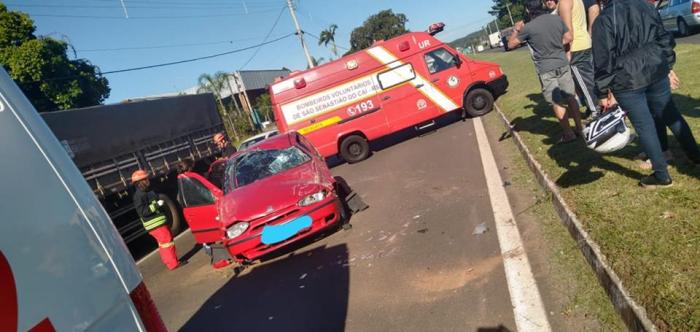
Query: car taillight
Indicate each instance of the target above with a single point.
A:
(695, 8)
(147, 309)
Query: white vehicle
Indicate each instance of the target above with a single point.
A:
(63, 265)
(257, 138)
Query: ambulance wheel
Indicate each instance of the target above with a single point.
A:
(172, 213)
(354, 148)
(478, 102)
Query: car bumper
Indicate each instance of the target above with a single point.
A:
(251, 247)
(498, 86)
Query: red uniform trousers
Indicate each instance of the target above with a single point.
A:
(166, 246)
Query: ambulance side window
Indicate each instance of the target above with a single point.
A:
(396, 76)
(193, 193)
(439, 60)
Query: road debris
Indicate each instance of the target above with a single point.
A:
(507, 184)
(302, 276)
(416, 216)
(480, 229)
(423, 230)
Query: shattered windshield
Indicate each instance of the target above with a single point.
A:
(258, 164)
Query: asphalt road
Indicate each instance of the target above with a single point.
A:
(691, 39)
(412, 261)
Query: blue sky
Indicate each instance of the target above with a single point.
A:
(205, 27)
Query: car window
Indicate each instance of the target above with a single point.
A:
(439, 60)
(663, 4)
(258, 164)
(191, 193)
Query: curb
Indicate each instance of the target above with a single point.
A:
(634, 315)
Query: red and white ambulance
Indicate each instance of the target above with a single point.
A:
(396, 84)
(63, 265)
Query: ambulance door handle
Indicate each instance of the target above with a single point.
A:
(435, 80)
(386, 97)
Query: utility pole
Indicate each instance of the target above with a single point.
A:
(509, 14)
(300, 33)
(497, 28)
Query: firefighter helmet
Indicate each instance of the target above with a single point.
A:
(139, 175)
(219, 137)
(608, 133)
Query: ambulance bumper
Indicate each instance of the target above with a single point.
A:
(499, 86)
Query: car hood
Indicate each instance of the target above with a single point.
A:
(274, 193)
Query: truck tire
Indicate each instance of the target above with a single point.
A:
(354, 148)
(478, 102)
(172, 213)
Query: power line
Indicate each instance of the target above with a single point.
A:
(274, 25)
(116, 49)
(143, 6)
(174, 62)
(146, 17)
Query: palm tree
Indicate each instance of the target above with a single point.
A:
(328, 36)
(214, 84)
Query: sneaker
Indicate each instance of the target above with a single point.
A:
(651, 182)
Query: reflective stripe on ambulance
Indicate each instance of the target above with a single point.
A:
(421, 84)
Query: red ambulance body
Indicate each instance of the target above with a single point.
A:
(396, 84)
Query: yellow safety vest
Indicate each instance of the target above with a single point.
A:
(155, 222)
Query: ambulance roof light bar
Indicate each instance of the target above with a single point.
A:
(436, 28)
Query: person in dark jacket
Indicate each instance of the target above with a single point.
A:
(633, 56)
(226, 149)
(148, 206)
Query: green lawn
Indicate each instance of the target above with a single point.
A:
(650, 237)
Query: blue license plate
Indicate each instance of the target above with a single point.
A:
(278, 233)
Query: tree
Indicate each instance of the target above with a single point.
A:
(214, 84)
(500, 10)
(328, 36)
(41, 68)
(264, 105)
(380, 26)
(316, 61)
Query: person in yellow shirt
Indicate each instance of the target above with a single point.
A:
(574, 13)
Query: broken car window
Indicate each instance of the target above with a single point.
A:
(258, 164)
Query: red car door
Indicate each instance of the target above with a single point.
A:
(198, 198)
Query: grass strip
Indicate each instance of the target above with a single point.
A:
(650, 237)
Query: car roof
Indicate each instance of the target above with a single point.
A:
(281, 141)
(261, 135)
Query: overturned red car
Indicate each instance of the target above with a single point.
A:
(276, 192)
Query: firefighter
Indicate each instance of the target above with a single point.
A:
(225, 147)
(148, 207)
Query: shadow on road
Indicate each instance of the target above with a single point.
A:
(499, 328)
(303, 292)
(402, 136)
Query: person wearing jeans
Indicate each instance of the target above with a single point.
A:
(633, 56)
